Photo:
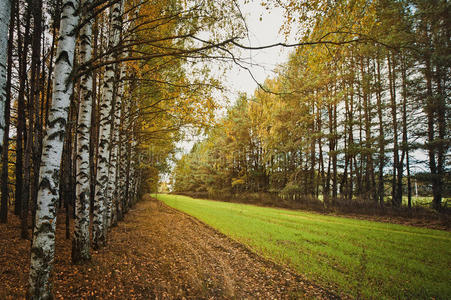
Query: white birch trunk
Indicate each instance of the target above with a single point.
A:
(126, 136)
(114, 184)
(80, 242)
(5, 7)
(99, 218)
(133, 155)
(138, 174)
(116, 210)
(43, 245)
(102, 203)
(131, 191)
(123, 162)
(134, 171)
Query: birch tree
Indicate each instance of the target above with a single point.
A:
(112, 189)
(124, 156)
(80, 242)
(5, 7)
(43, 245)
(113, 184)
(101, 201)
(7, 114)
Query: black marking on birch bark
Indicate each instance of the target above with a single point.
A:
(62, 121)
(56, 177)
(103, 143)
(85, 40)
(37, 251)
(47, 217)
(82, 197)
(45, 227)
(82, 126)
(59, 133)
(84, 147)
(83, 176)
(63, 56)
(45, 184)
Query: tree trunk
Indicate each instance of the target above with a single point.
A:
(5, 8)
(101, 220)
(369, 172)
(43, 246)
(5, 152)
(116, 212)
(80, 242)
(334, 156)
(405, 145)
(94, 130)
(32, 150)
(396, 198)
(381, 140)
(22, 124)
(20, 119)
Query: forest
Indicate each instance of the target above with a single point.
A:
(96, 97)
(352, 123)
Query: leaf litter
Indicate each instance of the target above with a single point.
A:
(156, 253)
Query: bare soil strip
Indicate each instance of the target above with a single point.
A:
(156, 253)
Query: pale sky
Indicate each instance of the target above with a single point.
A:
(261, 32)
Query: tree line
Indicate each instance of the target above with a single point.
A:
(344, 122)
(91, 92)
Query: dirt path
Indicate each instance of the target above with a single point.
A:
(160, 253)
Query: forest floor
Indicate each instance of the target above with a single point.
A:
(157, 252)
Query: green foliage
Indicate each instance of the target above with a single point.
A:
(337, 114)
(171, 84)
(230, 159)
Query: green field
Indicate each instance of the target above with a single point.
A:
(359, 258)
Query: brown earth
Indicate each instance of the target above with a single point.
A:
(155, 253)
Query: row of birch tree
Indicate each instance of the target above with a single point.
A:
(93, 96)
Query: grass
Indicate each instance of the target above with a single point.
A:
(359, 258)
